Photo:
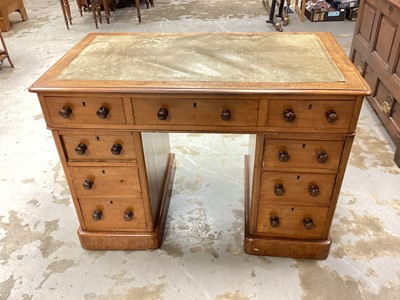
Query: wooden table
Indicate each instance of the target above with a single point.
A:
(112, 100)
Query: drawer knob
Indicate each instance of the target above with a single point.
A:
(274, 221)
(116, 149)
(65, 112)
(278, 189)
(97, 215)
(308, 223)
(289, 115)
(102, 112)
(331, 116)
(128, 215)
(162, 114)
(322, 157)
(88, 184)
(314, 190)
(283, 156)
(226, 115)
(80, 149)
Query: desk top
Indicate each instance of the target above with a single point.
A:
(210, 62)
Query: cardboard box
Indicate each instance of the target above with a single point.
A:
(317, 15)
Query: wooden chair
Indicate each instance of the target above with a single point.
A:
(7, 7)
(4, 53)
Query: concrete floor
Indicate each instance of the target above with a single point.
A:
(202, 256)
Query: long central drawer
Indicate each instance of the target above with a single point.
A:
(207, 112)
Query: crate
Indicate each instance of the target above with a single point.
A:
(317, 15)
(351, 13)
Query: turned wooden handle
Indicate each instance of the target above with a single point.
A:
(97, 215)
(283, 156)
(274, 221)
(322, 157)
(116, 149)
(278, 189)
(65, 112)
(289, 115)
(80, 149)
(331, 116)
(308, 223)
(226, 115)
(162, 114)
(102, 112)
(314, 190)
(88, 184)
(128, 215)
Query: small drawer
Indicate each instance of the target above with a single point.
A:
(297, 188)
(120, 213)
(106, 181)
(314, 115)
(207, 112)
(302, 154)
(67, 111)
(291, 221)
(102, 147)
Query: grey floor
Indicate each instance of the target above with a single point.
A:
(202, 255)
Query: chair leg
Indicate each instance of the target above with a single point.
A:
(5, 50)
(5, 23)
(64, 13)
(22, 12)
(79, 4)
(137, 3)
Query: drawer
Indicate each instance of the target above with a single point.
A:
(120, 213)
(105, 181)
(302, 154)
(291, 221)
(105, 146)
(297, 188)
(195, 112)
(314, 115)
(65, 111)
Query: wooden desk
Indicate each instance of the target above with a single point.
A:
(112, 100)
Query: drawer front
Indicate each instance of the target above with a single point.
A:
(289, 154)
(114, 146)
(291, 221)
(65, 111)
(105, 181)
(296, 188)
(195, 112)
(113, 213)
(314, 115)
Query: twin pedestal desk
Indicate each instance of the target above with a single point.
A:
(111, 101)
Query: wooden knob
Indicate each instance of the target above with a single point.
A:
(116, 149)
(314, 190)
(102, 112)
(65, 112)
(331, 116)
(128, 215)
(162, 114)
(97, 215)
(80, 149)
(88, 184)
(278, 189)
(289, 115)
(226, 115)
(322, 157)
(283, 156)
(274, 221)
(308, 223)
